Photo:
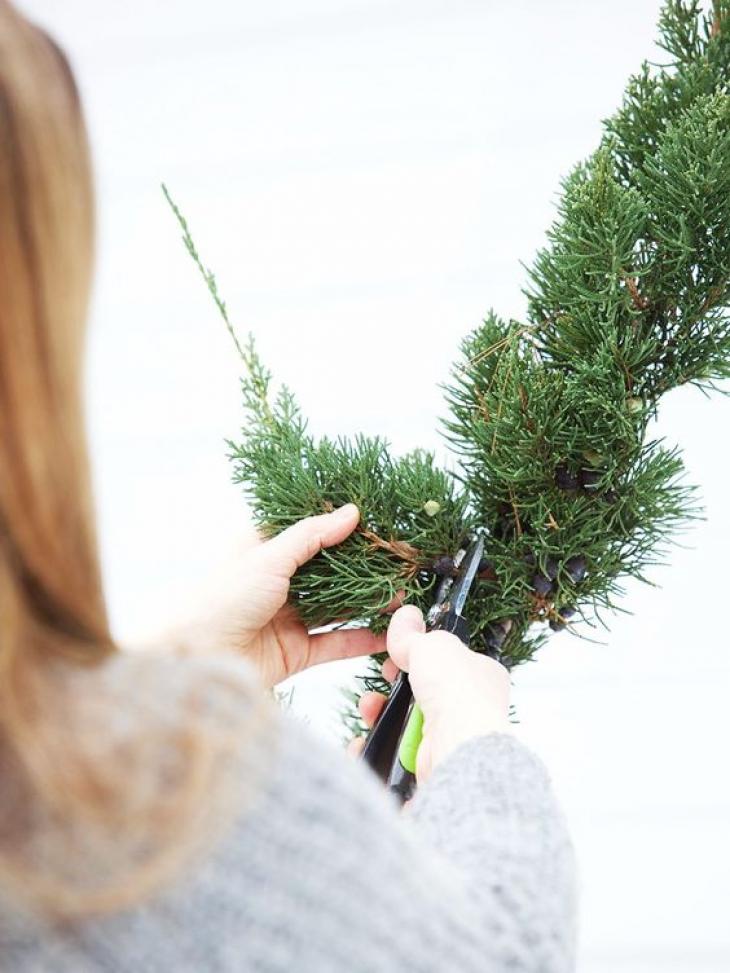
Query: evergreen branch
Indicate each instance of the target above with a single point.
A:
(549, 417)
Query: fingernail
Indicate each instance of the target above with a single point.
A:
(347, 511)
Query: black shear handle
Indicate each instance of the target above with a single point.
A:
(382, 740)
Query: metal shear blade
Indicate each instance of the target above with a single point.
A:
(453, 591)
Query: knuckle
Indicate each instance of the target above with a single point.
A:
(445, 642)
(314, 545)
(494, 671)
(311, 532)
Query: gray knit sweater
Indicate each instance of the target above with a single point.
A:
(321, 872)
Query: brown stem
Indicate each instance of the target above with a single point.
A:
(400, 549)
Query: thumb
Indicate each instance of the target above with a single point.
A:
(299, 543)
(405, 624)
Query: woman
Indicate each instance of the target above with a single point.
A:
(156, 811)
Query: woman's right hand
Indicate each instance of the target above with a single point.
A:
(462, 694)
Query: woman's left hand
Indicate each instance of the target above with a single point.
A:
(251, 615)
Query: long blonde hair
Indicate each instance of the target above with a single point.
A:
(58, 775)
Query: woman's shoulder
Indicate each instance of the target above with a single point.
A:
(160, 709)
(158, 684)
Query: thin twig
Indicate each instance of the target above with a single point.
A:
(208, 275)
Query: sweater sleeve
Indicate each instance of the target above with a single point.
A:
(322, 872)
(489, 809)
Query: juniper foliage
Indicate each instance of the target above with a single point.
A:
(549, 417)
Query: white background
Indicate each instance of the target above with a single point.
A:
(364, 177)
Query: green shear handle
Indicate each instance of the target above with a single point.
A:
(402, 777)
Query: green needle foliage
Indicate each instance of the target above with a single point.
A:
(549, 417)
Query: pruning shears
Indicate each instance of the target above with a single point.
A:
(392, 744)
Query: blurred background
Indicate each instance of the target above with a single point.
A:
(364, 177)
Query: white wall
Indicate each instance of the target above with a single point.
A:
(364, 176)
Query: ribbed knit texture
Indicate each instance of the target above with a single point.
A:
(322, 872)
